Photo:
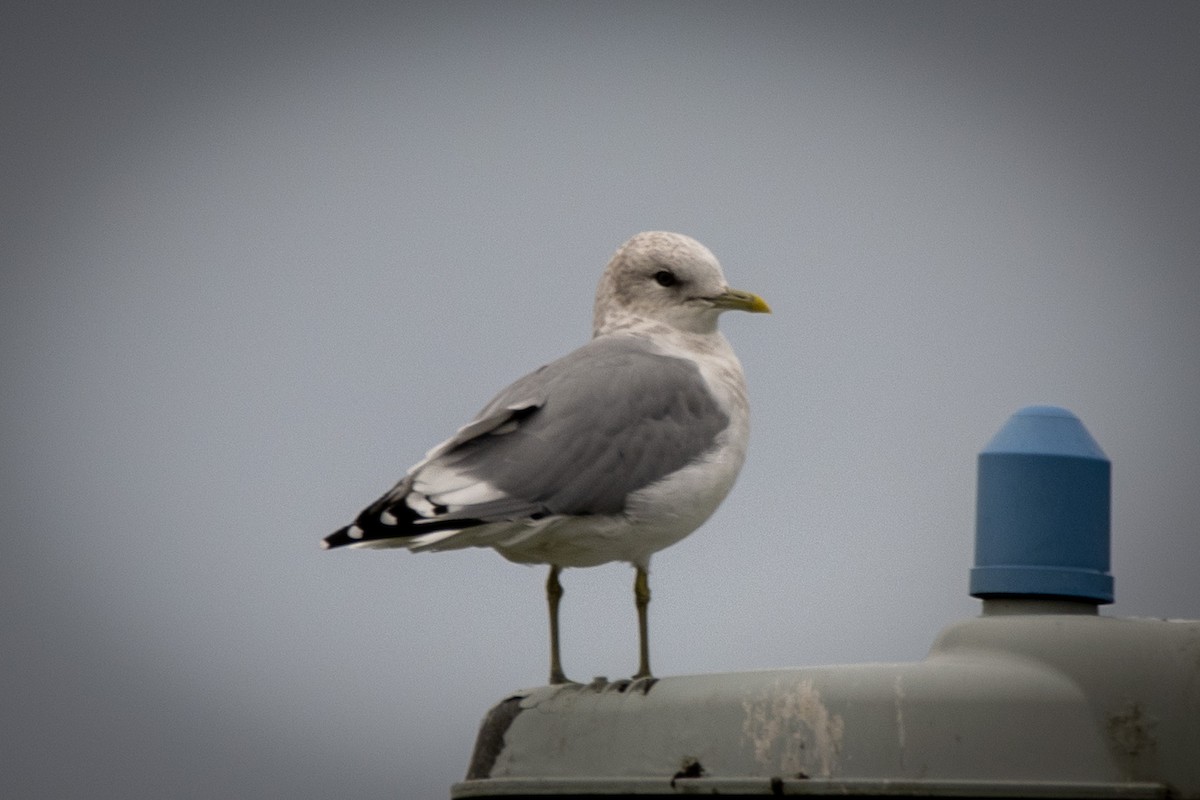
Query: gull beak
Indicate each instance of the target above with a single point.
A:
(737, 300)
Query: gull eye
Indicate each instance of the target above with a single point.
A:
(664, 277)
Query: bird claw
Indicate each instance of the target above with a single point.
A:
(642, 684)
(623, 685)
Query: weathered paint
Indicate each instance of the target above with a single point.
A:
(791, 731)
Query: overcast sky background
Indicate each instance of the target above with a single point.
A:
(256, 261)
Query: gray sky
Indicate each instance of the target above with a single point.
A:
(256, 262)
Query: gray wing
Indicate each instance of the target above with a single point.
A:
(577, 436)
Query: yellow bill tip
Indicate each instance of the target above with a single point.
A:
(738, 300)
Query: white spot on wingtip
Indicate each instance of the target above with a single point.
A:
(355, 532)
(388, 518)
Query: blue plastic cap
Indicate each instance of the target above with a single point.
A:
(1042, 510)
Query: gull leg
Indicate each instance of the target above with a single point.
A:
(554, 593)
(641, 598)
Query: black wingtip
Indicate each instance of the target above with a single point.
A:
(369, 527)
(339, 538)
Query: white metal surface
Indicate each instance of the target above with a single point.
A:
(1032, 699)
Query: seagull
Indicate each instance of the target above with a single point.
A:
(611, 453)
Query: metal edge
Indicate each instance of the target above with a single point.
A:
(812, 787)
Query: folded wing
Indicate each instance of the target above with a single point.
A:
(576, 437)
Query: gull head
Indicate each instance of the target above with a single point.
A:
(667, 278)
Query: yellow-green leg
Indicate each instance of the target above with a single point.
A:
(641, 598)
(554, 593)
